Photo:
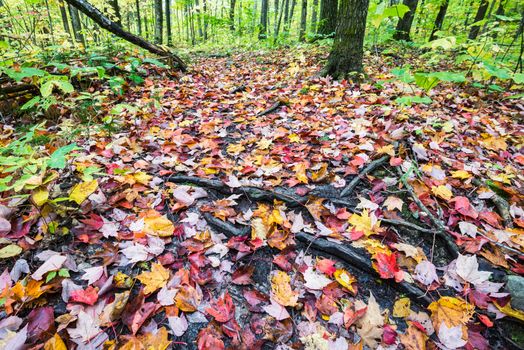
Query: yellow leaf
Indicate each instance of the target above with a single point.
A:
(149, 341)
(508, 310)
(300, 172)
(158, 225)
(83, 190)
(460, 174)
(188, 298)
(235, 149)
(442, 192)
(264, 143)
(402, 307)
(364, 223)
(389, 150)
(142, 178)
(320, 174)
(258, 229)
(281, 288)
(55, 343)
(155, 279)
(40, 196)
(414, 338)
(294, 138)
(452, 311)
(345, 279)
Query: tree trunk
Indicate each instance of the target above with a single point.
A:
(439, 20)
(75, 22)
(314, 17)
(116, 9)
(348, 46)
(481, 12)
(303, 21)
(204, 18)
(158, 22)
(262, 34)
(328, 17)
(138, 18)
(168, 22)
(65, 21)
(286, 14)
(232, 4)
(104, 22)
(404, 23)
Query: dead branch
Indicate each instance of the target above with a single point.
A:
(226, 228)
(368, 169)
(271, 109)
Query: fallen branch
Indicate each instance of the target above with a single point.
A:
(351, 256)
(368, 169)
(225, 227)
(271, 109)
(441, 228)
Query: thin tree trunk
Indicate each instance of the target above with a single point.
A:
(116, 9)
(314, 17)
(328, 17)
(204, 18)
(303, 21)
(439, 20)
(65, 20)
(158, 21)
(138, 18)
(232, 4)
(262, 34)
(286, 14)
(75, 22)
(481, 12)
(277, 30)
(112, 27)
(348, 46)
(50, 22)
(168, 22)
(404, 23)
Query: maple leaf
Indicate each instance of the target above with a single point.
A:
(452, 311)
(222, 309)
(81, 191)
(55, 343)
(387, 267)
(281, 289)
(155, 279)
(369, 326)
(88, 296)
(54, 263)
(401, 308)
(467, 267)
(157, 341)
(156, 224)
(300, 172)
(188, 299)
(346, 280)
(86, 327)
(326, 266)
(315, 280)
(442, 192)
(414, 338)
(451, 337)
(364, 223)
(209, 338)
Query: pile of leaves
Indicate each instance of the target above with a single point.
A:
(253, 204)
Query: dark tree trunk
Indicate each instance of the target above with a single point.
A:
(232, 15)
(404, 23)
(138, 18)
(286, 14)
(481, 12)
(65, 21)
(158, 22)
(104, 22)
(314, 17)
(75, 22)
(348, 46)
(262, 34)
(116, 8)
(439, 20)
(303, 21)
(328, 17)
(204, 18)
(168, 22)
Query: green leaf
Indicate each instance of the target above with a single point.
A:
(449, 76)
(409, 100)
(10, 251)
(25, 72)
(50, 276)
(426, 81)
(501, 73)
(444, 43)
(514, 97)
(58, 158)
(518, 78)
(30, 104)
(47, 88)
(155, 62)
(63, 273)
(396, 11)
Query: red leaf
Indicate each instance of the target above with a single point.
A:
(326, 266)
(389, 336)
(386, 265)
(242, 275)
(463, 206)
(222, 309)
(41, 323)
(88, 296)
(209, 339)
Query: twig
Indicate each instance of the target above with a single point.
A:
(369, 168)
(351, 256)
(271, 109)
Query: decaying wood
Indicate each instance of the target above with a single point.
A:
(226, 228)
(271, 109)
(368, 169)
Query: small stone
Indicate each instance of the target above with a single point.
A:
(515, 287)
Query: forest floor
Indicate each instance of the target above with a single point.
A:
(251, 204)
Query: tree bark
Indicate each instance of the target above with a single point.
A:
(439, 20)
(168, 22)
(138, 18)
(75, 22)
(328, 17)
(232, 15)
(104, 22)
(314, 17)
(262, 34)
(158, 22)
(303, 22)
(116, 9)
(65, 20)
(404, 23)
(348, 46)
(481, 12)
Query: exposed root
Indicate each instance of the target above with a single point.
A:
(368, 169)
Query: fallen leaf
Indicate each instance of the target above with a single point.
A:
(281, 289)
(154, 279)
(402, 307)
(81, 191)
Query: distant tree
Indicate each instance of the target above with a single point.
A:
(65, 21)
(439, 20)
(138, 18)
(303, 22)
(158, 21)
(262, 34)
(232, 4)
(348, 46)
(404, 23)
(481, 12)
(116, 9)
(314, 16)
(168, 22)
(328, 17)
(76, 24)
